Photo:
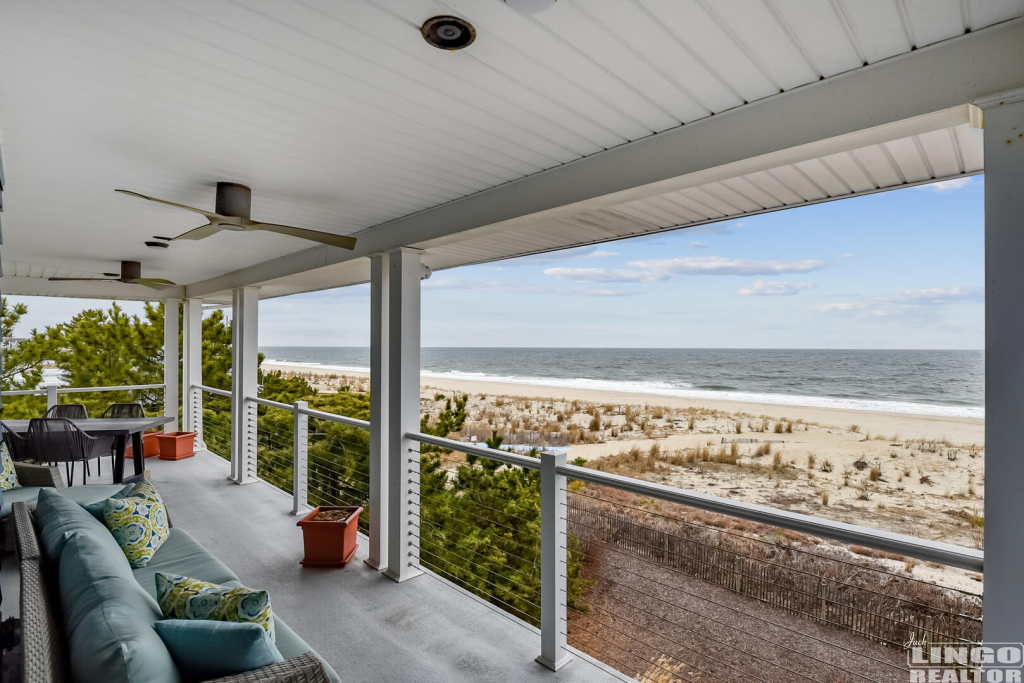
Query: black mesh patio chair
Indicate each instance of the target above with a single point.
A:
(118, 410)
(17, 445)
(57, 439)
(72, 411)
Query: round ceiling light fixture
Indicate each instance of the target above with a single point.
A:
(448, 33)
(530, 6)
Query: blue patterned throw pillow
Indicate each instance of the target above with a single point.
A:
(8, 476)
(180, 597)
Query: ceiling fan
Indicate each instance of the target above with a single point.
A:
(131, 273)
(234, 203)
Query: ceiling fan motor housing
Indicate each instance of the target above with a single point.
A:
(234, 200)
(131, 270)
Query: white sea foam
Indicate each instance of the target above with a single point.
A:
(669, 389)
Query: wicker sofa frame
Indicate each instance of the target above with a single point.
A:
(45, 655)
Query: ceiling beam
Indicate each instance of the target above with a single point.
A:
(39, 286)
(914, 84)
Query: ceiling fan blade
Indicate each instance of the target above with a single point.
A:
(210, 215)
(81, 279)
(153, 283)
(202, 232)
(343, 241)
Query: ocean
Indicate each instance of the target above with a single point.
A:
(943, 383)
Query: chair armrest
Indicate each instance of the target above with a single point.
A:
(38, 475)
(25, 532)
(305, 668)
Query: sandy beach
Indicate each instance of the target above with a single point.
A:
(919, 475)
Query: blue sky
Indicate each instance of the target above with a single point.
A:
(901, 269)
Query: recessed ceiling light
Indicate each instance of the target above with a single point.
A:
(448, 33)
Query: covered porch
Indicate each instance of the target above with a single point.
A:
(808, 127)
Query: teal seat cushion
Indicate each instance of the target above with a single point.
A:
(181, 554)
(210, 649)
(59, 519)
(83, 495)
(108, 618)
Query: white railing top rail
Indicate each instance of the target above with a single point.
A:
(217, 392)
(80, 390)
(506, 457)
(917, 548)
(310, 412)
(340, 419)
(270, 404)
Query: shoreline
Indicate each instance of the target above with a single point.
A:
(967, 430)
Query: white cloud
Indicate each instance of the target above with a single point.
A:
(833, 308)
(718, 265)
(698, 245)
(936, 295)
(563, 255)
(602, 275)
(600, 254)
(951, 184)
(586, 291)
(849, 255)
(774, 288)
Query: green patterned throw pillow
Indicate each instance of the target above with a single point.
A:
(8, 477)
(138, 524)
(183, 598)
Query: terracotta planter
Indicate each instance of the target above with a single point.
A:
(150, 446)
(176, 445)
(330, 543)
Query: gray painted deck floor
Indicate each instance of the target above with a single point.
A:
(367, 626)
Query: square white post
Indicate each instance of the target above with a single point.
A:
(244, 368)
(377, 556)
(1004, 367)
(171, 362)
(192, 368)
(553, 565)
(51, 395)
(404, 270)
(300, 457)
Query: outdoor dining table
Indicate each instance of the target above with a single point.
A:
(121, 428)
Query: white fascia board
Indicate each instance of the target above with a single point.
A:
(39, 286)
(940, 77)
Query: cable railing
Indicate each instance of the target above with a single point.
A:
(212, 419)
(29, 403)
(670, 585)
(659, 583)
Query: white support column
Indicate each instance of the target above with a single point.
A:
(553, 565)
(171, 362)
(1004, 367)
(192, 368)
(244, 366)
(377, 556)
(51, 395)
(300, 457)
(404, 271)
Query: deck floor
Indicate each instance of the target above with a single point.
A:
(368, 627)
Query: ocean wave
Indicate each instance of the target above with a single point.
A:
(668, 389)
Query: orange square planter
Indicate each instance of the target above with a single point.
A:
(177, 445)
(330, 543)
(150, 446)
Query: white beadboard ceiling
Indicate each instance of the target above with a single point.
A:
(340, 117)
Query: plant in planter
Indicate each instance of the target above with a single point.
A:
(329, 535)
(176, 445)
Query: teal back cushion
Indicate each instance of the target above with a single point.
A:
(109, 618)
(96, 509)
(59, 519)
(211, 649)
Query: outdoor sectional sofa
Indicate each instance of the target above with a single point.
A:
(46, 600)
